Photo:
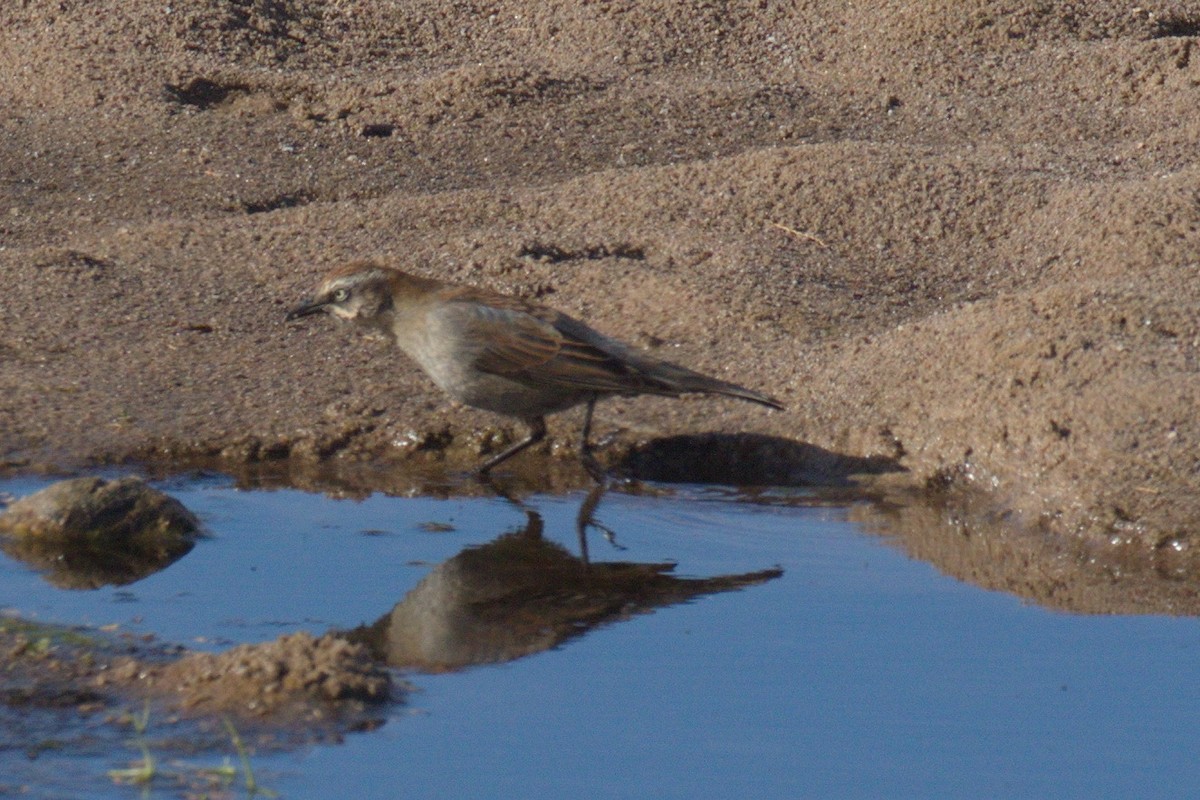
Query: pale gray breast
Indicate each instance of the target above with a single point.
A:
(448, 341)
(442, 344)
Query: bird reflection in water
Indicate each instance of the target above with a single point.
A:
(521, 594)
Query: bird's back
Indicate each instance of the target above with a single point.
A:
(477, 343)
(531, 343)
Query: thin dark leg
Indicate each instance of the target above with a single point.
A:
(537, 432)
(585, 446)
(583, 519)
(586, 518)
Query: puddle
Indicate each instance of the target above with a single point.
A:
(721, 645)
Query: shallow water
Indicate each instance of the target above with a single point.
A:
(857, 672)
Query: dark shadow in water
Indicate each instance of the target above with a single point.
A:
(84, 564)
(521, 594)
(748, 459)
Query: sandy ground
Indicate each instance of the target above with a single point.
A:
(960, 240)
(294, 689)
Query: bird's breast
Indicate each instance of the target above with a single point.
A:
(443, 351)
(449, 350)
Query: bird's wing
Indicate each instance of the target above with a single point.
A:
(520, 340)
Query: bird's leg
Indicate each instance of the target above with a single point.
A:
(586, 518)
(585, 446)
(537, 432)
(487, 480)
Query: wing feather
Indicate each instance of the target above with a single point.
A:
(528, 343)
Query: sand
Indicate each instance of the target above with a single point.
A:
(960, 240)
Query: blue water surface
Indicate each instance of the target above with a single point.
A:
(859, 673)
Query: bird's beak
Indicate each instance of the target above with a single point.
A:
(307, 308)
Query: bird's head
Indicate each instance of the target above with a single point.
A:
(360, 292)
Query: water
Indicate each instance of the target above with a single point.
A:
(858, 672)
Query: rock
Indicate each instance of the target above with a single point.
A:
(89, 532)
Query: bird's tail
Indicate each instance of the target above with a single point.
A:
(681, 380)
(714, 386)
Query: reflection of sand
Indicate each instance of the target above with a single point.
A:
(960, 236)
(1120, 576)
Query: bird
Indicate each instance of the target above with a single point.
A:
(503, 353)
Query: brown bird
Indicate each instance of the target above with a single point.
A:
(502, 353)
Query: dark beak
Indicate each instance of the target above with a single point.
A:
(306, 309)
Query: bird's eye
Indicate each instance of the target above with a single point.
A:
(340, 295)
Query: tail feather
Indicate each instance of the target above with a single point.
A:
(714, 386)
(641, 373)
(681, 380)
(743, 393)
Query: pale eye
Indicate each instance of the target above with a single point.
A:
(340, 295)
